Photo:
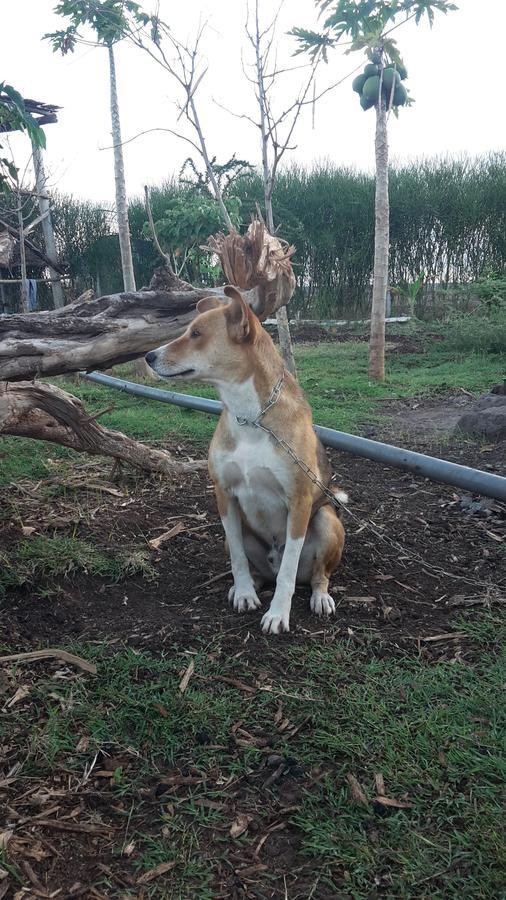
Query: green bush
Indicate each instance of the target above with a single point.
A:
(478, 333)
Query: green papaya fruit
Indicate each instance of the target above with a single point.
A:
(366, 102)
(403, 72)
(390, 77)
(358, 83)
(371, 88)
(400, 96)
(370, 70)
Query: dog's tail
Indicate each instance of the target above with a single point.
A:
(342, 498)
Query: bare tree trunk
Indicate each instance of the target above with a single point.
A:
(127, 266)
(207, 162)
(285, 340)
(22, 254)
(381, 248)
(47, 226)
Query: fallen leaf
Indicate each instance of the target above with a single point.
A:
(380, 577)
(240, 825)
(51, 653)
(450, 636)
(380, 784)
(160, 869)
(129, 849)
(90, 828)
(278, 826)
(234, 682)
(176, 780)
(395, 804)
(183, 684)
(28, 530)
(21, 693)
(494, 536)
(356, 790)
(5, 837)
(361, 599)
(248, 871)
(155, 543)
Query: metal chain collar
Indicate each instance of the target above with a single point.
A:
(273, 398)
(256, 423)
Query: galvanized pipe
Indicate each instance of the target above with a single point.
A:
(464, 477)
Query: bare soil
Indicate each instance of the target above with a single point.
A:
(316, 334)
(445, 536)
(422, 419)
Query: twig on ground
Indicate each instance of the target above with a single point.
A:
(33, 655)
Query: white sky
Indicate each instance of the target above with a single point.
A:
(456, 75)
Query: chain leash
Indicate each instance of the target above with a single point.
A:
(333, 500)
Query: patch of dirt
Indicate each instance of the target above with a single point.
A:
(403, 596)
(424, 419)
(316, 334)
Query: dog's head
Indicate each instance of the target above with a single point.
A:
(214, 347)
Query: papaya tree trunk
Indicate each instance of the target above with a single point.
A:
(125, 247)
(381, 248)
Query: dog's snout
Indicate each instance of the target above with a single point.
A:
(150, 357)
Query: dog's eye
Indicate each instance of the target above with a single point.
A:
(195, 333)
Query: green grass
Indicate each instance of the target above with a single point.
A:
(434, 731)
(39, 559)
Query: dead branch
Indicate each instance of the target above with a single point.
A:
(256, 258)
(45, 412)
(49, 653)
(165, 256)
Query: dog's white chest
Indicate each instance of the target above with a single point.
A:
(256, 475)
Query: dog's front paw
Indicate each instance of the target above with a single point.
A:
(243, 600)
(322, 604)
(276, 621)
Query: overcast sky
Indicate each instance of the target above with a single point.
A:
(456, 75)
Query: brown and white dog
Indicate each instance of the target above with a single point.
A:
(278, 525)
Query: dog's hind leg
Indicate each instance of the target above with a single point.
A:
(320, 556)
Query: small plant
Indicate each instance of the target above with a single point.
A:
(491, 290)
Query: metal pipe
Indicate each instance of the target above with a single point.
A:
(464, 477)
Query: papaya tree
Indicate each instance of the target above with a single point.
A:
(14, 116)
(367, 26)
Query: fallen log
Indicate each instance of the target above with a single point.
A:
(103, 332)
(47, 413)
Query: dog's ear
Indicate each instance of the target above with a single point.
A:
(237, 315)
(208, 303)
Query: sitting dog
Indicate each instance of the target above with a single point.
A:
(279, 526)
